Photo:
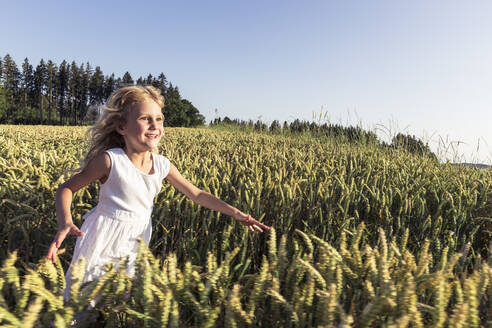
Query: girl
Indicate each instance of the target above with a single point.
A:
(120, 156)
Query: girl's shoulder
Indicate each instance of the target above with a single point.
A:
(114, 150)
(116, 153)
(164, 164)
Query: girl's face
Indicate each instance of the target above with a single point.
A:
(144, 126)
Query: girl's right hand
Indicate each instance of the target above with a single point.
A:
(67, 229)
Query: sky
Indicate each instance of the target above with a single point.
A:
(418, 67)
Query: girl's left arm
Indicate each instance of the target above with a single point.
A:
(208, 200)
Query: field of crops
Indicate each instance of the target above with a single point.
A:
(363, 237)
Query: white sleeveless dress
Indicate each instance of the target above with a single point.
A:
(122, 215)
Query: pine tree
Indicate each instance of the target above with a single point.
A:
(11, 86)
(88, 71)
(109, 86)
(83, 90)
(96, 87)
(27, 78)
(86, 90)
(127, 79)
(62, 87)
(1, 71)
(52, 71)
(161, 83)
(149, 80)
(40, 77)
(75, 89)
(3, 103)
(172, 92)
(70, 89)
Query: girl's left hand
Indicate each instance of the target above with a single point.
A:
(249, 222)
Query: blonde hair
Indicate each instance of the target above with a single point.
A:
(103, 134)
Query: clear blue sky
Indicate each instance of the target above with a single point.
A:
(419, 67)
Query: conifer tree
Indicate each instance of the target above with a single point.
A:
(127, 79)
(3, 104)
(11, 86)
(27, 78)
(69, 89)
(75, 87)
(87, 85)
(161, 83)
(52, 70)
(2, 94)
(172, 92)
(109, 86)
(40, 77)
(96, 87)
(149, 80)
(62, 79)
(83, 94)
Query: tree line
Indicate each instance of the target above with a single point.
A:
(69, 94)
(351, 134)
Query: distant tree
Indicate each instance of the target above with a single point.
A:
(172, 92)
(181, 112)
(296, 126)
(412, 145)
(161, 83)
(3, 104)
(83, 91)
(27, 78)
(11, 86)
(96, 87)
(74, 90)
(88, 71)
(52, 71)
(109, 86)
(127, 79)
(40, 77)
(313, 127)
(66, 92)
(149, 80)
(62, 79)
(260, 126)
(275, 126)
(195, 118)
(140, 81)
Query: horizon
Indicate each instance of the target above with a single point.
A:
(417, 68)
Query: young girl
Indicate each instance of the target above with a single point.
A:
(130, 175)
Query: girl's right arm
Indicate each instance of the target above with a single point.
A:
(97, 169)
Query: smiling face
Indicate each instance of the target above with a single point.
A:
(144, 126)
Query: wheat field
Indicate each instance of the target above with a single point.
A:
(362, 237)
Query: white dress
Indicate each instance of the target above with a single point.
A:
(122, 215)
